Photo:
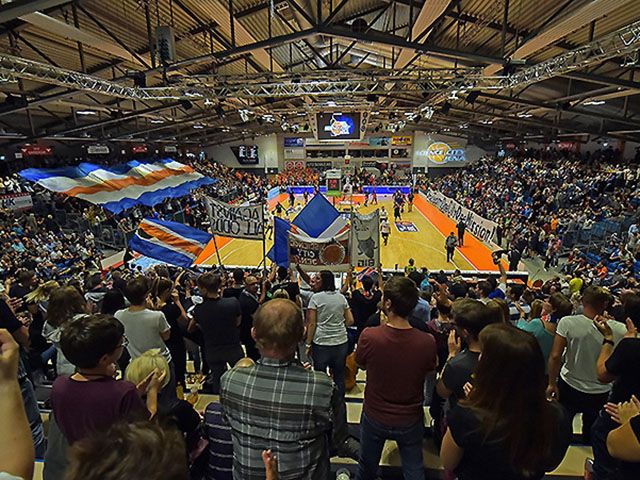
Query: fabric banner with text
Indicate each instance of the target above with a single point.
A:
(365, 240)
(236, 221)
(480, 227)
(317, 254)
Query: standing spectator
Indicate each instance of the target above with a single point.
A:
(91, 400)
(364, 301)
(169, 303)
(450, 244)
(394, 394)
(147, 329)
(20, 334)
(575, 381)
(238, 285)
(301, 423)
(284, 283)
(219, 320)
(65, 303)
(470, 317)
(486, 435)
(462, 227)
(620, 366)
(16, 443)
(249, 303)
(328, 317)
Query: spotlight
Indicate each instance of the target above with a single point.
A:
(219, 111)
(372, 97)
(417, 118)
(472, 97)
(140, 80)
(446, 106)
(186, 104)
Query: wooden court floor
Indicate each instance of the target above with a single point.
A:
(426, 246)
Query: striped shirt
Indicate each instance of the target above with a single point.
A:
(218, 434)
(279, 405)
(514, 313)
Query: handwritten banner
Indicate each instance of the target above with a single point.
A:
(365, 240)
(236, 221)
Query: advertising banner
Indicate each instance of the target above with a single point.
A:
(316, 254)
(365, 240)
(293, 142)
(401, 141)
(236, 221)
(480, 227)
(17, 201)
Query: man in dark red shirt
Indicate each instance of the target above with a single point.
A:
(397, 359)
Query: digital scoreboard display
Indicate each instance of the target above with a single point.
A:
(339, 126)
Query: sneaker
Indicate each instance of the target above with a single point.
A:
(350, 449)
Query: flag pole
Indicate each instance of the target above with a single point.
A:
(215, 245)
(264, 236)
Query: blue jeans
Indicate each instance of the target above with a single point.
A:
(409, 440)
(33, 416)
(333, 357)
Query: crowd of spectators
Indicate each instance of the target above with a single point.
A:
(535, 197)
(457, 345)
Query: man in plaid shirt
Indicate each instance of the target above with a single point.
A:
(280, 406)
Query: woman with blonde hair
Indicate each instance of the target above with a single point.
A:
(187, 419)
(65, 303)
(40, 350)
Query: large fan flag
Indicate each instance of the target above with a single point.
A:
(318, 219)
(170, 242)
(123, 186)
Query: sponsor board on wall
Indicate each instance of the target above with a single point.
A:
(294, 153)
(379, 141)
(236, 221)
(16, 201)
(365, 240)
(320, 253)
(480, 227)
(293, 165)
(440, 153)
(36, 151)
(398, 141)
(320, 164)
(293, 142)
(98, 150)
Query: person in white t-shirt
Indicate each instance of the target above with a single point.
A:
(573, 379)
(328, 317)
(147, 329)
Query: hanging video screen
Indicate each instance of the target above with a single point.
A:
(338, 126)
(246, 154)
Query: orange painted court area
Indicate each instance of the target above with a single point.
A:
(426, 246)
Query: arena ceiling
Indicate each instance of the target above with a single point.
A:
(488, 69)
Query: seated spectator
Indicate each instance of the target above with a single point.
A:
(574, 381)
(135, 451)
(487, 437)
(301, 423)
(394, 394)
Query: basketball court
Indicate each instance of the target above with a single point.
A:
(420, 236)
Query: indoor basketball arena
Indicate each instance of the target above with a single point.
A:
(319, 239)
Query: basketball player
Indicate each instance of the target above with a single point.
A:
(385, 230)
(410, 198)
(397, 214)
(292, 198)
(374, 197)
(384, 215)
(305, 195)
